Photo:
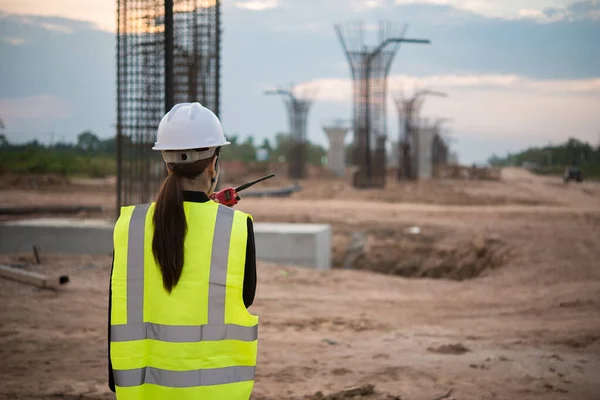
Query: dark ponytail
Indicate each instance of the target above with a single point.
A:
(170, 227)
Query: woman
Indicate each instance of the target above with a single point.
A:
(184, 273)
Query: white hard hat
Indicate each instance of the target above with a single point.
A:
(189, 126)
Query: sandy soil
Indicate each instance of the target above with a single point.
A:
(526, 326)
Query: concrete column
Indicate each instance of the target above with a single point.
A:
(336, 153)
(453, 158)
(393, 154)
(423, 152)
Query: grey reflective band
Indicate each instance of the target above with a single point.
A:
(135, 264)
(174, 333)
(216, 329)
(183, 379)
(218, 265)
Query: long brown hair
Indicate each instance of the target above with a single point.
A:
(170, 225)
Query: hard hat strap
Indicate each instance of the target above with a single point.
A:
(187, 156)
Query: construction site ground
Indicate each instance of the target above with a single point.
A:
(465, 290)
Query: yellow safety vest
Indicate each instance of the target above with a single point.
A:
(199, 341)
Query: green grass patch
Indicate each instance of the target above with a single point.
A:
(60, 162)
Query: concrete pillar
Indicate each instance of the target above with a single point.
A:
(453, 158)
(424, 160)
(379, 162)
(393, 154)
(336, 154)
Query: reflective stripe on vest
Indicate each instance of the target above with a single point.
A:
(183, 379)
(216, 329)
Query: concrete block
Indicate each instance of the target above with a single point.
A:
(336, 155)
(307, 245)
(57, 235)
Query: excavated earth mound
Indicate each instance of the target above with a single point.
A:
(422, 255)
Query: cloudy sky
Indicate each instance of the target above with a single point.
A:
(518, 72)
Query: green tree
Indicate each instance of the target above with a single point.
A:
(233, 139)
(247, 150)
(266, 144)
(88, 142)
(282, 147)
(108, 146)
(348, 151)
(553, 158)
(315, 153)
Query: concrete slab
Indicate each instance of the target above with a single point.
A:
(307, 245)
(57, 235)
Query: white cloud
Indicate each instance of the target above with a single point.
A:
(340, 90)
(528, 13)
(34, 107)
(56, 27)
(257, 5)
(523, 9)
(46, 25)
(373, 3)
(500, 106)
(100, 12)
(15, 41)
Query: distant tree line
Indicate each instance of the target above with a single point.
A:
(554, 158)
(272, 150)
(87, 143)
(89, 155)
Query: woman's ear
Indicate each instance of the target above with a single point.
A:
(210, 170)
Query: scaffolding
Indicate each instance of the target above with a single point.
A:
(298, 106)
(168, 52)
(370, 68)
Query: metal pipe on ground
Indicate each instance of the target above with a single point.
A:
(57, 209)
(33, 278)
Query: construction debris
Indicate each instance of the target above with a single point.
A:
(454, 348)
(444, 396)
(359, 392)
(282, 192)
(33, 278)
(48, 209)
(36, 255)
(473, 172)
(355, 249)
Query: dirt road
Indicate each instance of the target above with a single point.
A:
(527, 327)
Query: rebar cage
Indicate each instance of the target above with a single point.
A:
(168, 52)
(297, 106)
(298, 113)
(369, 73)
